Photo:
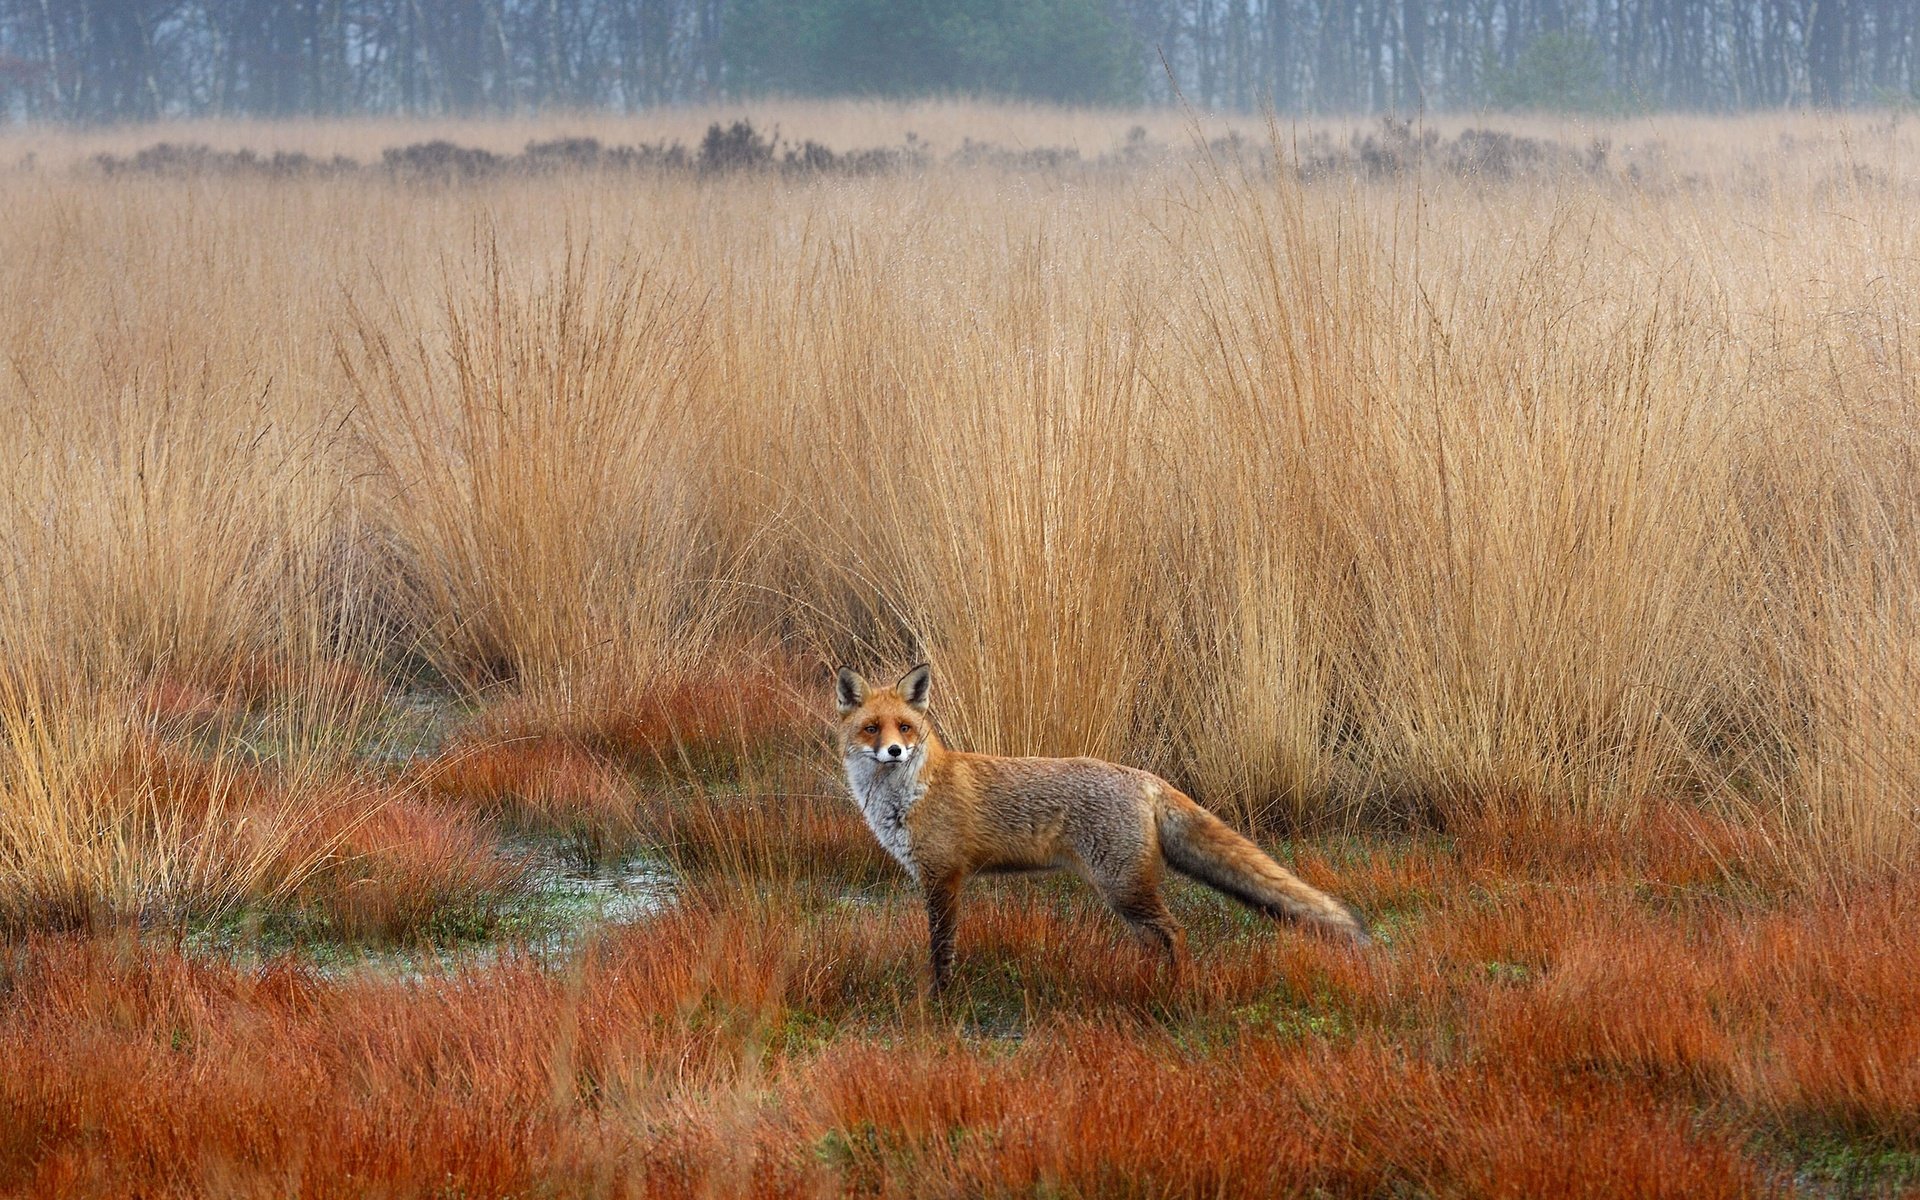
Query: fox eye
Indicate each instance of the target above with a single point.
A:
(906, 729)
(874, 728)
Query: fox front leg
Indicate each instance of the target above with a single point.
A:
(943, 911)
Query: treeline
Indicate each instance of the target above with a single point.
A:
(106, 60)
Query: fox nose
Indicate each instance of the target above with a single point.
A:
(896, 750)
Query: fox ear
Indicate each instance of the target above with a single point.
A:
(850, 690)
(915, 684)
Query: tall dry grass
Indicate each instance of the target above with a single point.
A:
(1415, 499)
(533, 459)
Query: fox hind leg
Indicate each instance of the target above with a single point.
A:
(1145, 912)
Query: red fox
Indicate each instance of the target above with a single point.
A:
(946, 815)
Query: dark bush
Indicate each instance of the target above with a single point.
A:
(736, 147)
(169, 158)
(576, 153)
(442, 160)
(1396, 149)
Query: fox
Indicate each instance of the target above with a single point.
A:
(945, 815)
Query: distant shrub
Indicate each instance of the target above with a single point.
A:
(1396, 149)
(740, 146)
(170, 158)
(441, 159)
(736, 147)
(1393, 148)
(575, 153)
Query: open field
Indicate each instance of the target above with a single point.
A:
(419, 589)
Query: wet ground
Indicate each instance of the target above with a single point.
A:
(563, 908)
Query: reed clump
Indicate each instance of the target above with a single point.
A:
(1387, 499)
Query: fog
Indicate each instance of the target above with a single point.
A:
(110, 60)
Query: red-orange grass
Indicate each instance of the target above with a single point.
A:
(1382, 877)
(1099, 1110)
(182, 785)
(1492, 1130)
(1856, 1073)
(1088, 1110)
(1626, 999)
(169, 702)
(141, 1074)
(1828, 997)
(543, 781)
(1668, 844)
(713, 721)
(389, 864)
(770, 836)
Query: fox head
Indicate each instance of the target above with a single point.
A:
(884, 725)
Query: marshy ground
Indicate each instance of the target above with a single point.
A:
(535, 964)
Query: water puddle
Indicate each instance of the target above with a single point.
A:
(575, 903)
(564, 908)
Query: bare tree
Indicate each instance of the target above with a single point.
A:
(110, 60)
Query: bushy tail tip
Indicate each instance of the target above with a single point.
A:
(1201, 846)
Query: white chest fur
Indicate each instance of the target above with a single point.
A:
(886, 792)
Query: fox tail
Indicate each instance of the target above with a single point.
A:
(1201, 846)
